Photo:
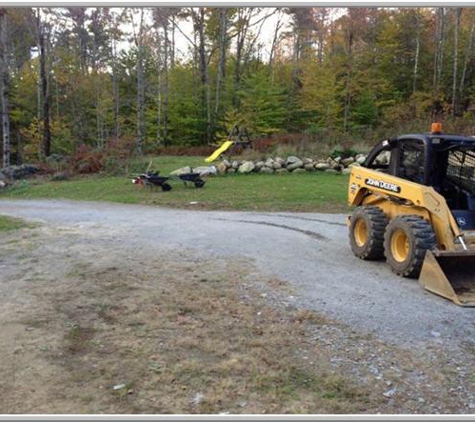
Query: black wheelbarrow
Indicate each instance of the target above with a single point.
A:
(193, 178)
(152, 179)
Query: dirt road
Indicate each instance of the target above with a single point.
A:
(307, 255)
(308, 250)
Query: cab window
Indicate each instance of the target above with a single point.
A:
(381, 160)
(411, 162)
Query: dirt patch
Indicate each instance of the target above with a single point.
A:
(89, 326)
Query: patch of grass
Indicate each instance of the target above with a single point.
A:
(180, 345)
(104, 312)
(307, 315)
(77, 338)
(9, 223)
(122, 393)
(86, 398)
(315, 192)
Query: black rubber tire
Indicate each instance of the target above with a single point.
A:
(376, 222)
(199, 183)
(421, 238)
(166, 187)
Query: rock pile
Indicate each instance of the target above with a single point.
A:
(12, 173)
(291, 164)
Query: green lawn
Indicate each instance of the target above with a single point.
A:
(318, 192)
(9, 223)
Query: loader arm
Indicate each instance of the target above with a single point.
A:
(395, 195)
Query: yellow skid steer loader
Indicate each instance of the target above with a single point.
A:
(415, 207)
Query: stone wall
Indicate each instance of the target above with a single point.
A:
(291, 164)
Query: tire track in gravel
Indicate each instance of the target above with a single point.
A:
(317, 220)
(310, 233)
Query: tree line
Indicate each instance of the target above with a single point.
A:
(67, 80)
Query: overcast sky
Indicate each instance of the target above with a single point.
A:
(265, 37)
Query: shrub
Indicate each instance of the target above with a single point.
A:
(86, 161)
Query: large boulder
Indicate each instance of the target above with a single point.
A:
(322, 166)
(235, 164)
(299, 170)
(309, 167)
(280, 160)
(205, 170)
(221, 167)
(347, 161)
(383, 158)
(276, 165)
(307, 161)
(269, 163)
(291, 159)
(346, 170)
(360, 158)
(180, 171)
(226, 163)
(266, 170)
(258, 165)
(295, 165)
(246, 167)
(281, 171)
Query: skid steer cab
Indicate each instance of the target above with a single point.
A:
(415, 207)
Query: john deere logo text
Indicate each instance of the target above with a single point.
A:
(383, 185)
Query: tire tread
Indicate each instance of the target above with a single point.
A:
(377, 222)
(424, 240)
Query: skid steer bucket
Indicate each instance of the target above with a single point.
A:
(450, 274)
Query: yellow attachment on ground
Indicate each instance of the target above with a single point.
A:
(450, 274)
(215, 155)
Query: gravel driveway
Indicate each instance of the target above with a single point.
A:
(308, 250)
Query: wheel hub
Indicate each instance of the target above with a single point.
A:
(361, 232)
(400, 245)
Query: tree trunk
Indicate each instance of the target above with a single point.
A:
(437, 106)
(159, 85)
(115, 88)
(97, 96)
(468, 55)
(166, 46)
(199, 23)
(439, 52)
(243, 18)
(172, 46)
(5, 85)
(346, 112)
(416, 56)
(221, 62)
(458, 12)
(140, 89)
(322, 13)
(274, 43)
(46, 143)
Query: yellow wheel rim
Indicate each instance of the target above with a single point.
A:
(400, 245)
(361, 232)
